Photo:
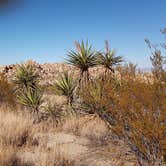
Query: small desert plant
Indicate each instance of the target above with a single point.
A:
(65, 85)
(108, 59)
(7, 95)
(30, 97)
(83, 58)
(54, 111)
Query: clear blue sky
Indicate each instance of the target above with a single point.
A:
(44, 30)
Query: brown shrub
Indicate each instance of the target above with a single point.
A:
(7, 95)
(135, 111)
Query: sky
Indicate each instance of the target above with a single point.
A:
(44, 30)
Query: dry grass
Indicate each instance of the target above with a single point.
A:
(97, 131)
(74, 124)
(42, 157)
(88, 126)
(7, 155)
(17, 133)
(14, 132)
(14, 129)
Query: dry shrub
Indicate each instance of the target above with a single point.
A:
(7, 95)
(135, 110)
(140, 115)
(14, 128)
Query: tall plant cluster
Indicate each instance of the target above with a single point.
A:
(85, 57)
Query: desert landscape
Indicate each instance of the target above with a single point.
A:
(91, 110)
(82, 83)
(74, 138)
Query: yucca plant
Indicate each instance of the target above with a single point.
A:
(28, 91)
(108, 59)
(84, 57)
(65, 85)
(31, 98)
(25, 76)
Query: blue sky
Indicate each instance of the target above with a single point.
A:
(44, 30)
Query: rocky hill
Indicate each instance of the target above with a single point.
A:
(48, 71)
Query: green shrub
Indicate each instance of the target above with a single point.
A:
(108, 59)
(84, 58)
(26, 76)
(30, 97)
(28, 91)
(65, 85)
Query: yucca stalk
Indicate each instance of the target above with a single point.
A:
(108, 59)
(65, 85)
(84, 57)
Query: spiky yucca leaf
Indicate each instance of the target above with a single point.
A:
(65, 85)
(26, 76)
(31, 98)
